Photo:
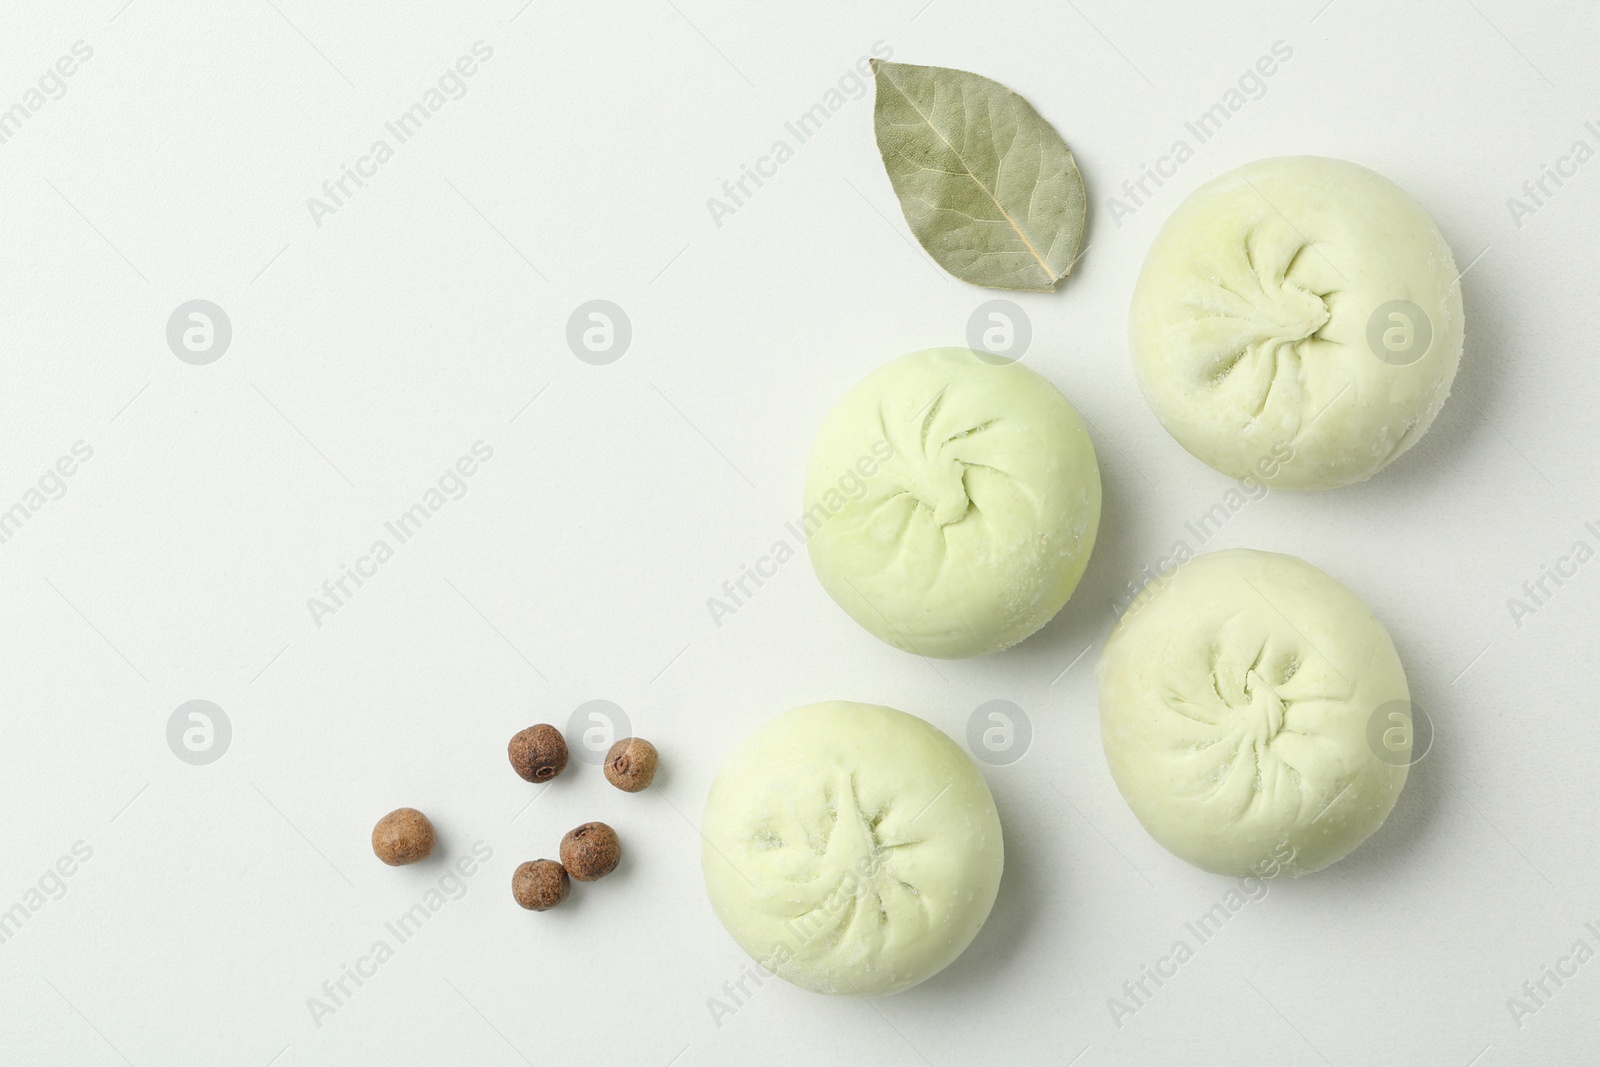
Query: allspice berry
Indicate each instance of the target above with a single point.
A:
(403, 836)
(590, 852)
(540, 885)
(631, 764)
(538, 753)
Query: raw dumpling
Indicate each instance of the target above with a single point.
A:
(1298, 321)
(952, 501)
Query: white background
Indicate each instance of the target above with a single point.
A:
(429, 312)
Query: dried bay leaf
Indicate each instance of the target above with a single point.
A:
(987, 185)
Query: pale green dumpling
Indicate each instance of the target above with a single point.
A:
(1249, 706)
(1298, 321)
(952, 500)
(851, 848)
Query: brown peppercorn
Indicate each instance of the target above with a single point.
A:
(403, 836)
(631, 764)
(590, 852)
(540, 885)
(538, 753)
